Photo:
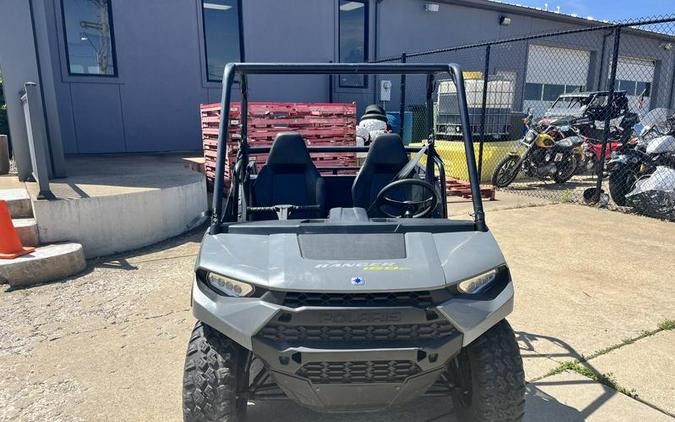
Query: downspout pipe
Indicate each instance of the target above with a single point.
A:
(376, 42)
(50, 162)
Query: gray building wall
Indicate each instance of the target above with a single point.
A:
(19, 65)
(153, 103)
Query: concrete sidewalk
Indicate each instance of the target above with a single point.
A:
(110, 344)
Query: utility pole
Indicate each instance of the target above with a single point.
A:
(103, 29)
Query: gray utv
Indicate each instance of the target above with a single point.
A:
(348, 293)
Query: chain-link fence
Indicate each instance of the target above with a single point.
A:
(581, 115)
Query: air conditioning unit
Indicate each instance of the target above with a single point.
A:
(431, 7)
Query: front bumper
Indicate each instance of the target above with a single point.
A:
(352, 359)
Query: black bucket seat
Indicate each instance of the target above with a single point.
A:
(289, 177)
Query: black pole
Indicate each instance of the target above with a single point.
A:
(432, 155)
(242, 156)
(483, 111)
(602, 60)
(430, 106)
(330, 86)
(228, 79)
(244, 114)
(402, 102)
(479, 215)
(608, 111)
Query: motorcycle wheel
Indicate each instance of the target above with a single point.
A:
(621, 181)
(505, 172)
(565, 169)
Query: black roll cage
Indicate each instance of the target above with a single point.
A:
(431, 70)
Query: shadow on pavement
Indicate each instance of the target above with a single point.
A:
(540, 407)
(543, 407)
(423, 410)
(527, 342)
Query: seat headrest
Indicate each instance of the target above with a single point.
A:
(289, 149)
(387, 150)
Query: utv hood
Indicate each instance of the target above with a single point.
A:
(340, 262)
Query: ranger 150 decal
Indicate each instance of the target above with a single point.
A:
(366, 266)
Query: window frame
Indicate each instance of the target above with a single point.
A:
(544, 96)
(541, 91)
(240, 25)
(648, 88)
(624, 88)
(366, 42)
(113, 45)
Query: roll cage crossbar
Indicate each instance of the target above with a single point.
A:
(431, 70)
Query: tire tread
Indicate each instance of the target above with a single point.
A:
(209, 378)
(498, 379)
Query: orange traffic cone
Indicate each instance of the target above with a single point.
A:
(10, 244)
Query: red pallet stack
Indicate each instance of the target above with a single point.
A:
(462, 188)
(321, 124)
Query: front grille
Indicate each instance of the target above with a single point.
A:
(300, 334)
(421, 299)
(378, 371)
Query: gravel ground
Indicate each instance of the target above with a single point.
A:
(125, 313)
(110, 343)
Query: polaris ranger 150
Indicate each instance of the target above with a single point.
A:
(348, 293)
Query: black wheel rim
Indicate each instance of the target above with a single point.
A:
(631, 180)
(505, 173)
(567, 169)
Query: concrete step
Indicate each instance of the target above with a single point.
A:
(47, 263)
(27, 230)
(18, 202)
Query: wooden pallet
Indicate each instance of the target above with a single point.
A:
(461, 188)
(321, 124)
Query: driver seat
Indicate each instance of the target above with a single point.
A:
(386, 157)
(289, 177)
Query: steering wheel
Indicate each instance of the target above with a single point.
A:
(409, 208)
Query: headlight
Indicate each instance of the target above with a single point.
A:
(228, 286)
(530, 135)
(477, 283)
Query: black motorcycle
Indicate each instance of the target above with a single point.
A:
(550, 153)
(634, 162)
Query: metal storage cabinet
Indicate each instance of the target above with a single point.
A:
(499, 101)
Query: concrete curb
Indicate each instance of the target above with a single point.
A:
(27, 230)
(105, 225)
(47, 263)
(18, 202)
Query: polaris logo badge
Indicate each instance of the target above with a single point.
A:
(360, 317)
(358, 281)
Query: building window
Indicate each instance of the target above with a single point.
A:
(533, 91)
(573, 89)
(643, 88)
(552, 92)
(353, 34)
(628, 86)
(90, 45)
(222, 36)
